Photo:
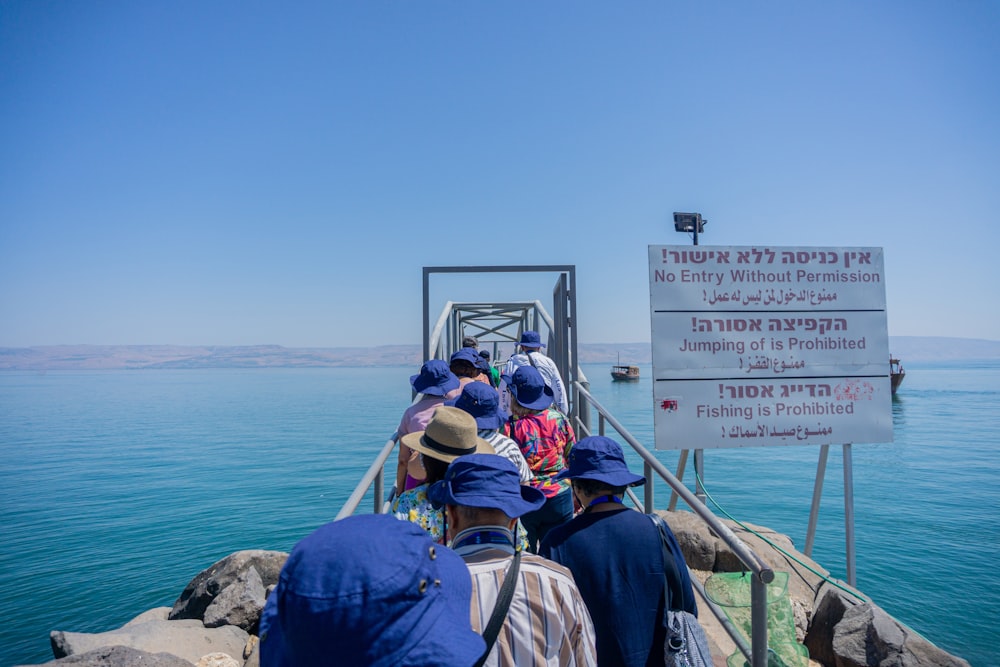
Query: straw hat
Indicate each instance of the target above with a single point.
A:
(451, 433)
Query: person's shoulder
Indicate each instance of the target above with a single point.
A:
(556, 536)
(546, 567)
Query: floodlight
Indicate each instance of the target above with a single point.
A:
(689, 222)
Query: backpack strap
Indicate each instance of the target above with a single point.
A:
(499, 614)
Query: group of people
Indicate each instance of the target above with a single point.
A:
(487, 498)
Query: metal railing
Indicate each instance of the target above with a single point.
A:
(504, 321)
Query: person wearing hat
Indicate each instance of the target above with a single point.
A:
(434, 384)
(547, 622)
(616, 556)
(483, 403)
(369, 590)
(450, 433)
(530, 354)
(492, 370)
(544, 436)
(465, 363)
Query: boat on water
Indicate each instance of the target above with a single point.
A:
(621, 373)
(896, 373)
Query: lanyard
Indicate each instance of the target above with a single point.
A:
(482, 537)
(603, 499)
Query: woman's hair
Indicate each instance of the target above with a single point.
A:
(519, 410)
(435, 468)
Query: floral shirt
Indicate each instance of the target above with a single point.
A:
(414, 506)
(545, 440)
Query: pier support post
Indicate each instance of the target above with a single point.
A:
(758, 621)
(849, 513)
(824, 453)
(699, 472)
(681, 464)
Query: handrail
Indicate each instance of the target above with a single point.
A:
(375, 473)
(763, 573)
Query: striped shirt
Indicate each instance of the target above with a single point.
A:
(547, 623)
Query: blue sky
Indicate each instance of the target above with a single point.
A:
(235, 173)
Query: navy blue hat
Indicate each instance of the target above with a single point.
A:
(485, 480)
(466, 354)
(434, 379)
(485, 354)
(530, 339)
(482, 402)
(528, 388)
(370, 590)
(601, 459)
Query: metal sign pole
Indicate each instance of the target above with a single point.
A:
(849, 513)
(824, 453)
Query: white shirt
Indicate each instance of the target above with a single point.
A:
(546, 368)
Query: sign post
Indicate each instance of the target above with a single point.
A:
(768, 346)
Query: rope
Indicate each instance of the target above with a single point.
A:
(773, 545)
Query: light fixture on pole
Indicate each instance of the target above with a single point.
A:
(689, 222)
(693, 223)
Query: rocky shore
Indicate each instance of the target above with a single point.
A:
(215, 619)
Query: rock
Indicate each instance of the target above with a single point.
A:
(239, 603)
(218, 660)
(187, 639)
(117, 656)
(252, 652)
(697, 544)
(831, 604)
(208, 584)
(867, 635)
(157, 614)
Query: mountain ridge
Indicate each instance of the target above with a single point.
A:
(150, 357)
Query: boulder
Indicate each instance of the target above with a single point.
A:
(239, 603)
(208, 584)
(187, 639)
(867, 635)
(697, 543)
(117, 656)
(830, 607)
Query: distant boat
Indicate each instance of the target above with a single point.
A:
(620, 372)
(896, 373)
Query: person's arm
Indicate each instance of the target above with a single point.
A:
(402, 461)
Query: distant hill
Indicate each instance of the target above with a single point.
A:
(910, 349)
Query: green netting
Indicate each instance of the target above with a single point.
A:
(731, 591)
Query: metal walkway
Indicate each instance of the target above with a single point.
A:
(497, 322)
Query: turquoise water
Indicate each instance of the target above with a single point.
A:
(117, 487)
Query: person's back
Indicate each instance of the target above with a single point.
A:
(531, 355)
(616, 556)
(547, 622)
(616, 560)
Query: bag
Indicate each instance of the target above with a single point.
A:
(686, 644)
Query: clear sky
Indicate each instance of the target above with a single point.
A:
(230, 173)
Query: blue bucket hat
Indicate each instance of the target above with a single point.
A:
(434, 379)
(601, 459)
(530, 339)
(370, 590)
(528, 388)
(466, 354)
(482, 402)
(485, 480)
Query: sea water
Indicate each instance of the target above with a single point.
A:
(118, 487)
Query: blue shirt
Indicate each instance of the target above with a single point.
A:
(616, 559)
